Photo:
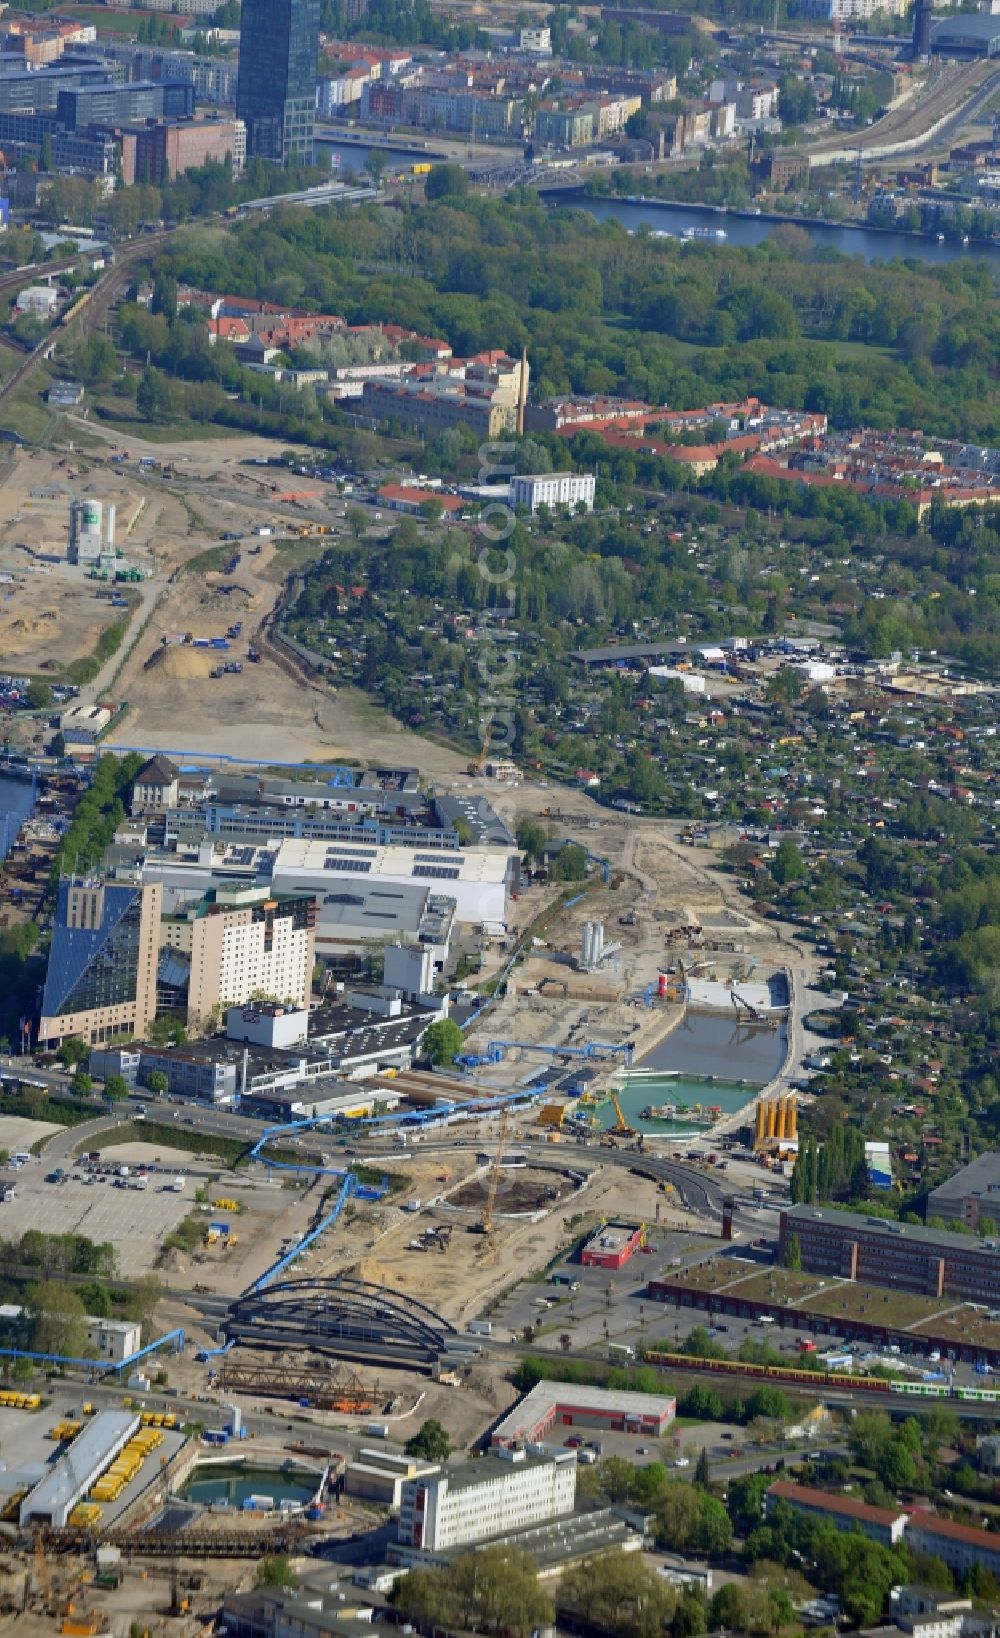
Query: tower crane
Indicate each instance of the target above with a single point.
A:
(486, 1222)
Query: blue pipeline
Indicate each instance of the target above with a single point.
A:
(101, 1367)
(347, 1188)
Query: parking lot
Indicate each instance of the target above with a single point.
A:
(135, 1221)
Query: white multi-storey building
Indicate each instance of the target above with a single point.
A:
(510, 1490)
(553, 489)
(241, 943)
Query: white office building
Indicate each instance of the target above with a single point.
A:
(553, 489)
(509, 1490)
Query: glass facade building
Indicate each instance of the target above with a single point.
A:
(101, 976)
(276, 96)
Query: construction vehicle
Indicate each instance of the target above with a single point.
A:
(622, 1127)
(485, 1224)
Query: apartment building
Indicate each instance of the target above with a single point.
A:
(488, 396)
(962, 1547)
(570, 489)
(509, 1490)
(882, 1524)
(101, 977)
(563, 127)
(237, 943)
(880, 1252)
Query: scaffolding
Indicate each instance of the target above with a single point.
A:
(341, 1391)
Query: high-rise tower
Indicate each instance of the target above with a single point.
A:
(276, 94)
(923, 16)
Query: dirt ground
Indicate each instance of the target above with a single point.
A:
(18, 1132)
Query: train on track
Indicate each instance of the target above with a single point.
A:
(825, 1379)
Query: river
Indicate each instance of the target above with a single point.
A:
(873, 246)
(15, 804)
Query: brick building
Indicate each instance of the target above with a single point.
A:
(876, 1251)
(161, 151)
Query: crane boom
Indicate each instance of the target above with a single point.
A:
(486, 1225)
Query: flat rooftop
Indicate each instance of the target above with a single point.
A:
(467, 1475)
(612, 1237)
(981, 1176)
(95, 1443)
(547, 1398)
(913, 1234)
(470, 864)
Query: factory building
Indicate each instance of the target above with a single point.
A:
(570, 1405)
(878, 1251)
(54, 1497)
(379, 1476)
(478, 879)
(469, 1503)
(613, 1245)
(91, 532)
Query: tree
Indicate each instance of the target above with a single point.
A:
(375, 166)
(442, 1041)
(570, 863)
(531, 838)
(39, 694)
(72, 1051)
(81, 1084)
(702, 1472)
(446, 182)
(431, 1442)
(274, 1571)
(620, 1593)
(432, 509)
(59, 1320)
(793, 1254)
(494, 1589)
(788, 864)
(157, 1082)
(115, 1088)
(357, 522)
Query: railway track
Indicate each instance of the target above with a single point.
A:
(946, 104)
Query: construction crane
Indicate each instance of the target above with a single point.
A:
(476, 766)
(486, 1222)
(622, 1129)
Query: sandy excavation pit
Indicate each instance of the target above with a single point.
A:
(520, 1190)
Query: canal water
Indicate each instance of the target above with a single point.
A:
(753, 230)
(235, 1483)
(15, 805)
(696, 1063)
(354, 156)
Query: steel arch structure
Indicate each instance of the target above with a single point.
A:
(348, 1318)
